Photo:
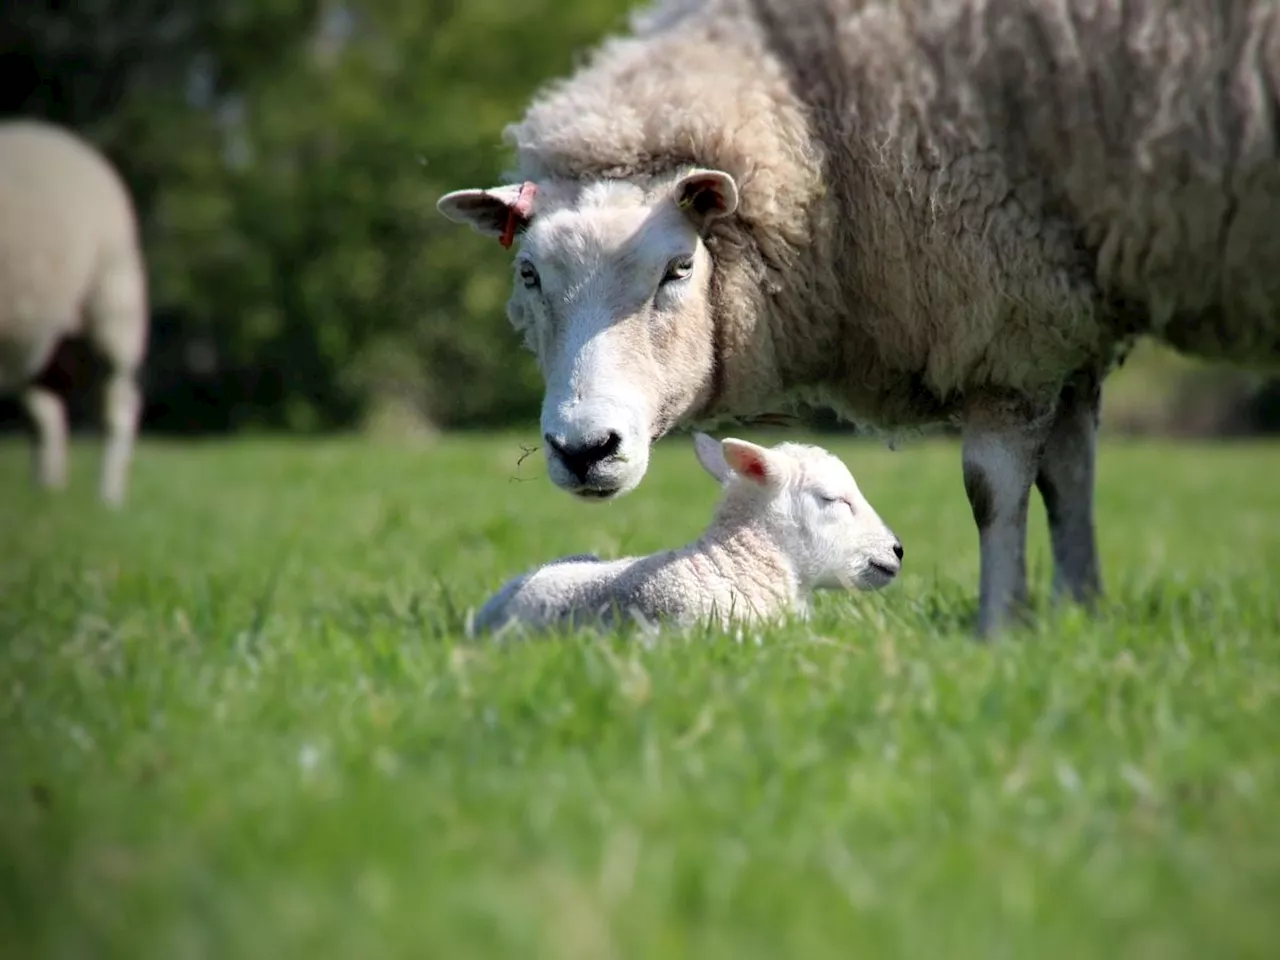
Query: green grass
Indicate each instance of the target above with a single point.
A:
(237, 720)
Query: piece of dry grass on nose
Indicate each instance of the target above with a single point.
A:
(790, 520)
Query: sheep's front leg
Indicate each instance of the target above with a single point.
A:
(49, 415)
(1001, 440)
(123, 408)
(1065, 480)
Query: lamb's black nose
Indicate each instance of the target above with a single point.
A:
(897, 549)
(579, 459)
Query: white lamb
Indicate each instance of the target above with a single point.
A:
(791, 520)
(70, 265)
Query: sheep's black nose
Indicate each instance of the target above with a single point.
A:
(897, 549)
(579, 459)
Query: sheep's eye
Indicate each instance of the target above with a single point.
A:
(678, 269)
(529, 275)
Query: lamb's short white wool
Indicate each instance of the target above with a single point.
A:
(790, 520)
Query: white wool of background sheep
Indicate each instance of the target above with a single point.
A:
(70, 265)
(917, 213)
(790, 520)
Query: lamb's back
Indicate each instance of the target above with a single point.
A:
(552, 593)
(671, 587)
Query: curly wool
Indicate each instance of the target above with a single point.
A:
(949, 194)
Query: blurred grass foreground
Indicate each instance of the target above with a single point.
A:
(239, 721)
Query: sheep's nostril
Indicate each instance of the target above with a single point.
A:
(610, 445)
(581, 458)
(897, 549)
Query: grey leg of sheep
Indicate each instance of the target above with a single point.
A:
(49, 415)
(1001, 441)
(1065, 481)
(123, 407)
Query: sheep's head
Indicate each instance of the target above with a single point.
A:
(612, 293)
(806, 501)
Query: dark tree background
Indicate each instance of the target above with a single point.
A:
(286, 156)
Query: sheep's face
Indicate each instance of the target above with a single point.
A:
(611, 295)
(808, 503)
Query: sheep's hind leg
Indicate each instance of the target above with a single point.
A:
(118, 324)
(1066, 482)
(1001, 440)
(123, 408)
(49, 415)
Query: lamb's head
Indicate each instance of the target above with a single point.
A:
(806, 501)
(613, 295)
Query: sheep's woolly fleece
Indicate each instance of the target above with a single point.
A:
(973, 191)
(69, 250)
(71, 264)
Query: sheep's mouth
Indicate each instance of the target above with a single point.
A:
(595, 493)
(883, 569)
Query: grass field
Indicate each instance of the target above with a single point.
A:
(237, 720)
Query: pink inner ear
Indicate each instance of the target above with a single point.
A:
(752, 465)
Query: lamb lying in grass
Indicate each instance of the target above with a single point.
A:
(790, 521)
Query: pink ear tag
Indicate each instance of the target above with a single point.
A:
(519, 211)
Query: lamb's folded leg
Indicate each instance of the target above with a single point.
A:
(49, 414)
(1001, 440)
(1066, 482)
(123, 405)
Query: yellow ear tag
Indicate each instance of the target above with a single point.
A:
(685, 202)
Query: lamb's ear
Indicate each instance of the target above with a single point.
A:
(711, 456)
(755, 463)
(706, 195)
(496, 212)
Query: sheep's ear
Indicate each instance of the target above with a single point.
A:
(705, 195)
(711, 456)
(754, 463)
(499, 212)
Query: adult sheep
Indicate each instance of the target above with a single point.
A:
(70, 266)
(915, 213)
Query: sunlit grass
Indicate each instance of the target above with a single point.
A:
(237, 719)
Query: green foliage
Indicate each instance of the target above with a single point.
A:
(287, 156)
(229, 730)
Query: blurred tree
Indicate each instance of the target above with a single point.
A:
(286, 156)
